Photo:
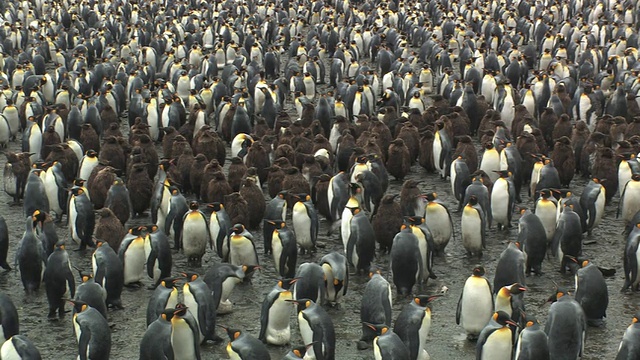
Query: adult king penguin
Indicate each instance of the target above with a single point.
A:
(275, 328)
(495, 341)
(565, 327)
(475, 306)
(375, 306)
(413, 325)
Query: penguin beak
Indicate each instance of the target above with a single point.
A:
(512, 323)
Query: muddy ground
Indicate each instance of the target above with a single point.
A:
(447, 340)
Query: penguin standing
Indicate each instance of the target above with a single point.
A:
(375, 307)
(9, 323)
(81, 217)
(59, 281)
(475, 307)
(197, 297)
(546, 211)
(413, 325)
(473, 227)
(336, 272)
(276, 210)
(495, 340)
(503, 199)
(309, 283)
(244, 346)
(316, 328)
(591, 293)
(425, 243)
(92, 293)
(592, 202)
(628, 348)
(156, 342)
(222, 279)
(406, 262)
(119, 201)
(195, 235)
(284, 250)
(532, 235)
(275, 328)
(158, 254)
(565, 327)
(360, 245)
(56, 187)
(185, 339)
(438, 221)
(92, 332)
(630, 199)
(567, 240)
(178, 207)
(35, 195)
(305, 223)
(165, 296)
(132, 255)
(242, 249)
(30, 257)
(532, 342)
(4, 243)
(510, 268)
(219, 225)
(108, 272)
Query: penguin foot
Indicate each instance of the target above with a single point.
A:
(363, 345)
(135, 285)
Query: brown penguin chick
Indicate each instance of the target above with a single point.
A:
(308, 111)
(410, 198)
(118, 200)
(286, 151)
(633, 128)
(316, 128)
(429, 116)
(468, 151)
(109, 229)
(112, 130)
(295, 183)
(274, 180)
(361, 124)
(563, 127)
(261, 128)
(383, 136)
(415, 117)
(311, 169)
(358, 152)
(63, 154)
(345, 147)
(136, 132)
(618, 129)
(487, 123)
(579, 137)
(196, 172)
(527, 146)
(184, 164)
(109, 116)
(49, 137)
(179, 144)
(150, 153)
(564, 160)
(624, 151)
(89, 138)
(519, 116)
(208, 174)
(112, 153)
(411, 137)
(399, 162)
(595, 140)
(561, 91)
(487, 136)
(547, 123)
(253, 195)
(389, 114)
(204, 142)
(482, 106)
(99, 186)
(303, 146)
(227, 121)
(169, 135)
(459, 125)
(258, 158)
(140, 189)
(372, 148)
(136, 157)
(387, 222)
(321, 142)
(363, 138)
(633, 109)
(425, 157)
(542, 144)
(236, 172)
(604, 168)
(320, 196)
(296, 128)
(218, 188)
(284, 163)
(237, 208)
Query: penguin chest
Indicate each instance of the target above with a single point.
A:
(498, 345)
(302, 226)
(503, 303)
(228, 285)
(600, 202)
(477, 305)
(191, 303)
(73, 217)
(10, 182)
(422, 245)
(624, 175)
(182, 340)
(278, 327)
(276, 248)
(546, 211)
(332, 294)
(490, 163)
(423, 334)
(306, 333)
(242, 251)
(88, 164)
(471, 229)
(195, 235)
(438, 221)
(233, 355)
(345, 227)
(152, 121)
(437, 151)
(134, 262)
(500, 202)
(631, 200)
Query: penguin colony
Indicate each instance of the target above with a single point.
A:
(187, 149)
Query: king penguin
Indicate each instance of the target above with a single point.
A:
(195, 235)
(565, 327)
(219, 224)
(532, 342)
(592, 293)
(132, 255)
(243, 346)
(375, 307)
(284, 250)
(82, 219)
(503, 197)
(197, 297)
(305, 223)
(316, 328)
(495, 341)
(59, 281)
(275, 328)
(336, 272)
(629, 346)
(92, 332)
(592, 202)
(438, 221)
(387, 345)
(19, 347)
(165, 296)
(473, 227)
(413, 325)
(475, 306)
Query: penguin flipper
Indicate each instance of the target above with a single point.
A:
(557, 238)
(459, 308)
(384, 296)
(151, 262)
(83, 342)
(351, 244)
(264, 317)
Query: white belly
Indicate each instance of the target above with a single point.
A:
(548, 219)
(600, 202)
(477, 308)
(154, 125)
(345, 227)
(437, 150)
(302, 227)
(498, 346)
(490, 163)
(192, 305)
(73, 215)
(500, 202)
(87, 168)
(278, 327)
(471, 232)
(182, 341)
(242, 252)
(624, 175)
(437, 220)
(134, 264)
(195, 237)
(423, 334)
(9, 352)
(307, 336)
(276, 251)
(52, 193)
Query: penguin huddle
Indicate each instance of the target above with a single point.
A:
(163, 140)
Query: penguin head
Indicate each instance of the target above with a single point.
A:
(559, 293)
(425, 300)
(414, 220)
(431, 196)
(473, 200)
(503, 173)
(503, 318)
(79, 306)
(379, 329)
(190, 276)
(169, 283)
(249, 269)
(59, 246)
(231, 332)
(237, 229)
(286, 284)
(77, 191)
(194, 205)
(38, 217)
(180, 310)
(516, 288)
(635, 177)
(302, 303)
(216, 206)
(478, 270)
